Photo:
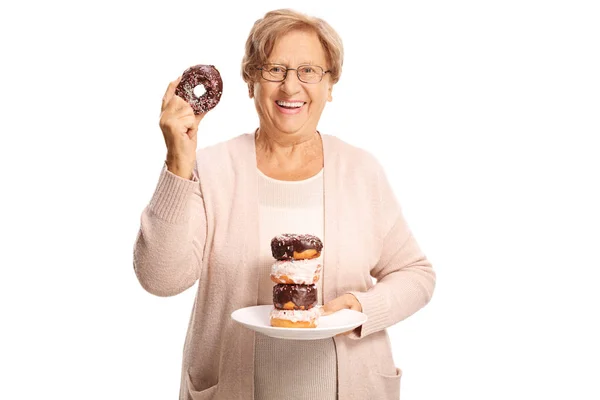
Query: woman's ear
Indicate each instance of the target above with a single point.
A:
(329, 90)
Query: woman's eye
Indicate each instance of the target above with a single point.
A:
(276, 70)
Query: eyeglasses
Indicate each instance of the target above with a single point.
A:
(306, 73)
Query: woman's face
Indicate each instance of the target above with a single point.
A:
(277, 102)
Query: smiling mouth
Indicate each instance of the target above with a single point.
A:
(290, 105)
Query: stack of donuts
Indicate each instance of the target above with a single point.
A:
(297, 269)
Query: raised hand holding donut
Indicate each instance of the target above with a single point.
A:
(179, 126)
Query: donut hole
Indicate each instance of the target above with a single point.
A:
(199, 91)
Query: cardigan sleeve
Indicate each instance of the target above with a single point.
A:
(405, 278)
(169, 246)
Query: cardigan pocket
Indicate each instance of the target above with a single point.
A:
(386, 387)
(206, 394)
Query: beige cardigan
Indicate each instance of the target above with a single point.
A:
(206, 230)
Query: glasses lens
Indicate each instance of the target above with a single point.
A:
(310, 73)
(273, 72)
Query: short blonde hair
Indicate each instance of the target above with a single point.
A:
(277, 23)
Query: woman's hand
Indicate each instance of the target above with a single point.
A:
(179, 126)
(344, 301)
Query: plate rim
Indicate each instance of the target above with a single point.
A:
(317, 329)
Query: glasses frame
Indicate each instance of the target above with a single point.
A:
(286, 69)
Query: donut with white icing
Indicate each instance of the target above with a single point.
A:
(295, 318)
(305, 272)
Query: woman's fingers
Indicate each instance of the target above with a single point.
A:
(187, 121)
(176, 111)
(187, 113)
(334, 305)
(169, 93)
(331, 307)
(177, 107)
(179, 126)
(344, 301)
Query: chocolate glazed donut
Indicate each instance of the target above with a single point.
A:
(207, 76)
(287, 246)
(294, 297)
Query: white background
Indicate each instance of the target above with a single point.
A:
(484, 114)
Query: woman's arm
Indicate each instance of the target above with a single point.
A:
(169, 247)
(405, 278)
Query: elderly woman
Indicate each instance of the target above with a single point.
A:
(215, 210)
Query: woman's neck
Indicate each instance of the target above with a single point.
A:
(276, 138)
(289, 156)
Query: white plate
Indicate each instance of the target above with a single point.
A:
(257, 319)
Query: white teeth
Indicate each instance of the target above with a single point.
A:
(287, 104)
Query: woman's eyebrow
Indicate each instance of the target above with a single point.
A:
(279, 62)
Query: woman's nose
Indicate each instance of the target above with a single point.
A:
(291, 84)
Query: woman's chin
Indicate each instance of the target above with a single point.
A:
(290, 127)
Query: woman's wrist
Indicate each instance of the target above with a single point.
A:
(179, 167)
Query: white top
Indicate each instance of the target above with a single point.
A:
(291, 369)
